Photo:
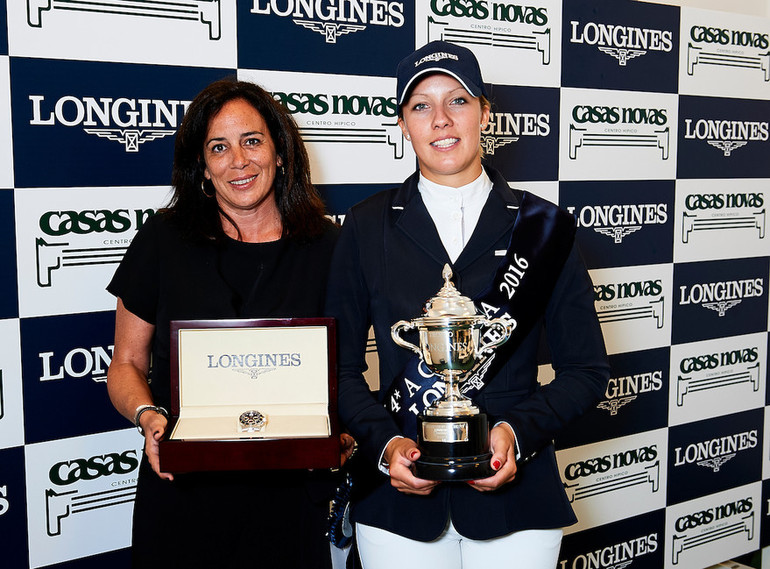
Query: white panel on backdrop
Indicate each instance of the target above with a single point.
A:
(516, 44)
(713, 528)
(717, 377)
(198, 33)
(721, 219)
(70, 241)
(617, 135)
(634, 306)
(11, 404)
(546, 190)
(6, 152)
(348, 125)
(80, 495)
(628, 470)
(724, 54)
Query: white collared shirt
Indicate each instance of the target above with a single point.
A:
(455, 211)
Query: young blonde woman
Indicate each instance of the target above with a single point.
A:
(388, 262)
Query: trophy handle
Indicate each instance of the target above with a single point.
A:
(505, 329)
(403, 325)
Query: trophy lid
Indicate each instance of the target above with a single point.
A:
(449, 301)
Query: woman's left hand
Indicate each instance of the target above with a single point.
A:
(502, 442)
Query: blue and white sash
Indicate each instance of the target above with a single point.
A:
(540, 243)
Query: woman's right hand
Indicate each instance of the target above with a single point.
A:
(154, 427)
(400, 454)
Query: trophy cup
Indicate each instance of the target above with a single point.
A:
(452, 433)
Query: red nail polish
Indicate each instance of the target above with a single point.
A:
(496, 465)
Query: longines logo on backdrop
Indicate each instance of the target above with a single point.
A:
(610, 473)
(337, 119)
(715, 452)
(206, 12)
(715, 370)
(504, 128)
(723, 211)
(728, 48)
(630, 301)
(623, 390)
(631, 127)
(58, 247)
(331, 18)
(721, 296)
(615, 556)
(78, 362)
(726, 135)
(617, 221)
(491, 24)
(62, 502)
(696, 529)
(624, 43)
(130, 122)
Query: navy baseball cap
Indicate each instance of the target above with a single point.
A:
(439, 57)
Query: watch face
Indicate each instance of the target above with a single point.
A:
(251, 421)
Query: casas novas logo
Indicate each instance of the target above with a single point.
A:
(70, 471)
(498, 11)
(130, 122)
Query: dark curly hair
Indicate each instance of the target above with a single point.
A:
(300, 206)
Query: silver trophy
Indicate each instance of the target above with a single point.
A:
(452, 433)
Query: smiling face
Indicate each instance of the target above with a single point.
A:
(241, 160)
(444, 123)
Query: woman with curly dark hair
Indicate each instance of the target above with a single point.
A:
(244, 236)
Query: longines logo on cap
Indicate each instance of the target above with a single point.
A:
(716, 452)
(623, 390)
(630, 301)
(130, 122)
(624, 43)
(62, 244)
(253, 364)
(78, 362)
(631, 127)
(727, 48)
(504, 128)
(617, 221)
(615, 556)
(726, 135)
(722, 211)
(611, 473)
(494, 24)
(62, 502)
(339, 117)
(715, 370)
(334, 18)
(437, 56)
(206, 12)
(721, 296)
(700, 528)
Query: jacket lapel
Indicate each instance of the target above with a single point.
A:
(496, 219)
(411, 217)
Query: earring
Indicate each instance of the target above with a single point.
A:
(203, 189)
(408, 137)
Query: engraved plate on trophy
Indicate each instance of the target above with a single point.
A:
(453, 434)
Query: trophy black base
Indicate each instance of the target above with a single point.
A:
(453, 448)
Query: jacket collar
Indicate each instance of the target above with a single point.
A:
(409, 214)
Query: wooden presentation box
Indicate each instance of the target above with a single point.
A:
(283, 368)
